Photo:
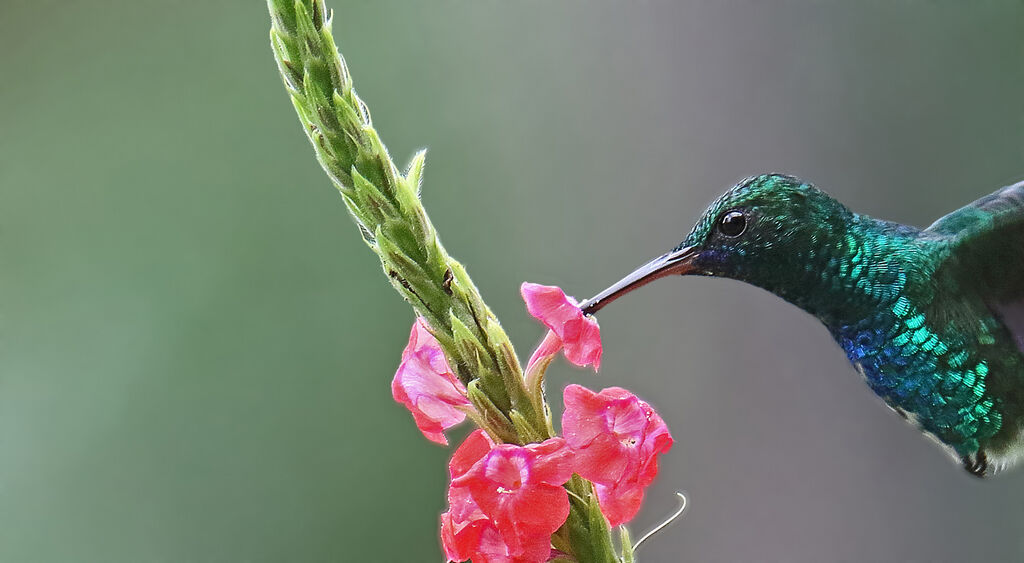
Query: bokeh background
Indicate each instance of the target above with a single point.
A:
(196, 347)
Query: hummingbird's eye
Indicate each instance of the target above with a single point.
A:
(732, 224)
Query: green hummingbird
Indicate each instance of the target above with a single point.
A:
(933, 318)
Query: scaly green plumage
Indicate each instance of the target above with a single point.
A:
(933, 318)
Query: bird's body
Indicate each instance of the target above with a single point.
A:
(932, 318)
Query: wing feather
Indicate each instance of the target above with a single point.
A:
(1000, 209)
(986, 241)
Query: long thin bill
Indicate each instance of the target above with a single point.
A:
(675, 262)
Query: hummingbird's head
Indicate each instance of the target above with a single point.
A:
(760, 229)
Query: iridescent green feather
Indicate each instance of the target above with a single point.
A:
(927, 316)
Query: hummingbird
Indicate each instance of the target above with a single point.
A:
(933, 319)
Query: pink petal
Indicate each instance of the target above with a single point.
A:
(549, 304)
(548, 347)
(582, 340)
(553, 461)
(472, 450)
(619, 504)
(427, 387)
(492, 549)
(462, 526)
(580, 334)
(582, 407)
(507, 466)
(542, 509)
(603, 461)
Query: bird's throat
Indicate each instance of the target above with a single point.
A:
(842, 276)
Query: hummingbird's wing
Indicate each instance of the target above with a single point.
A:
(987, 252)
(996, 211)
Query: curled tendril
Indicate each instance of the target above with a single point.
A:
(667, 522)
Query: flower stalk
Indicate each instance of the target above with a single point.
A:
(385, 204)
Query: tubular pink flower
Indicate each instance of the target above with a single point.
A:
(467, 534)
(579, 335)
(463, 526)
(427, 387)
(543, 355)
(615, 438)
(505, 500)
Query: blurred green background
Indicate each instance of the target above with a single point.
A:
(196, 347)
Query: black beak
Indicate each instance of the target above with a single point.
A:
(675, 262)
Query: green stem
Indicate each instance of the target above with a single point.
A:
(385, 203)
(386, 206)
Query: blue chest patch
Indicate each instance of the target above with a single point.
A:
(895, 376)
(936, 379)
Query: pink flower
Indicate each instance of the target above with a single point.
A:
(463, 526)
(427, 387)
(578, 334)
(615, 438)
(467, 534)
(505, 500)
(619, 503)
